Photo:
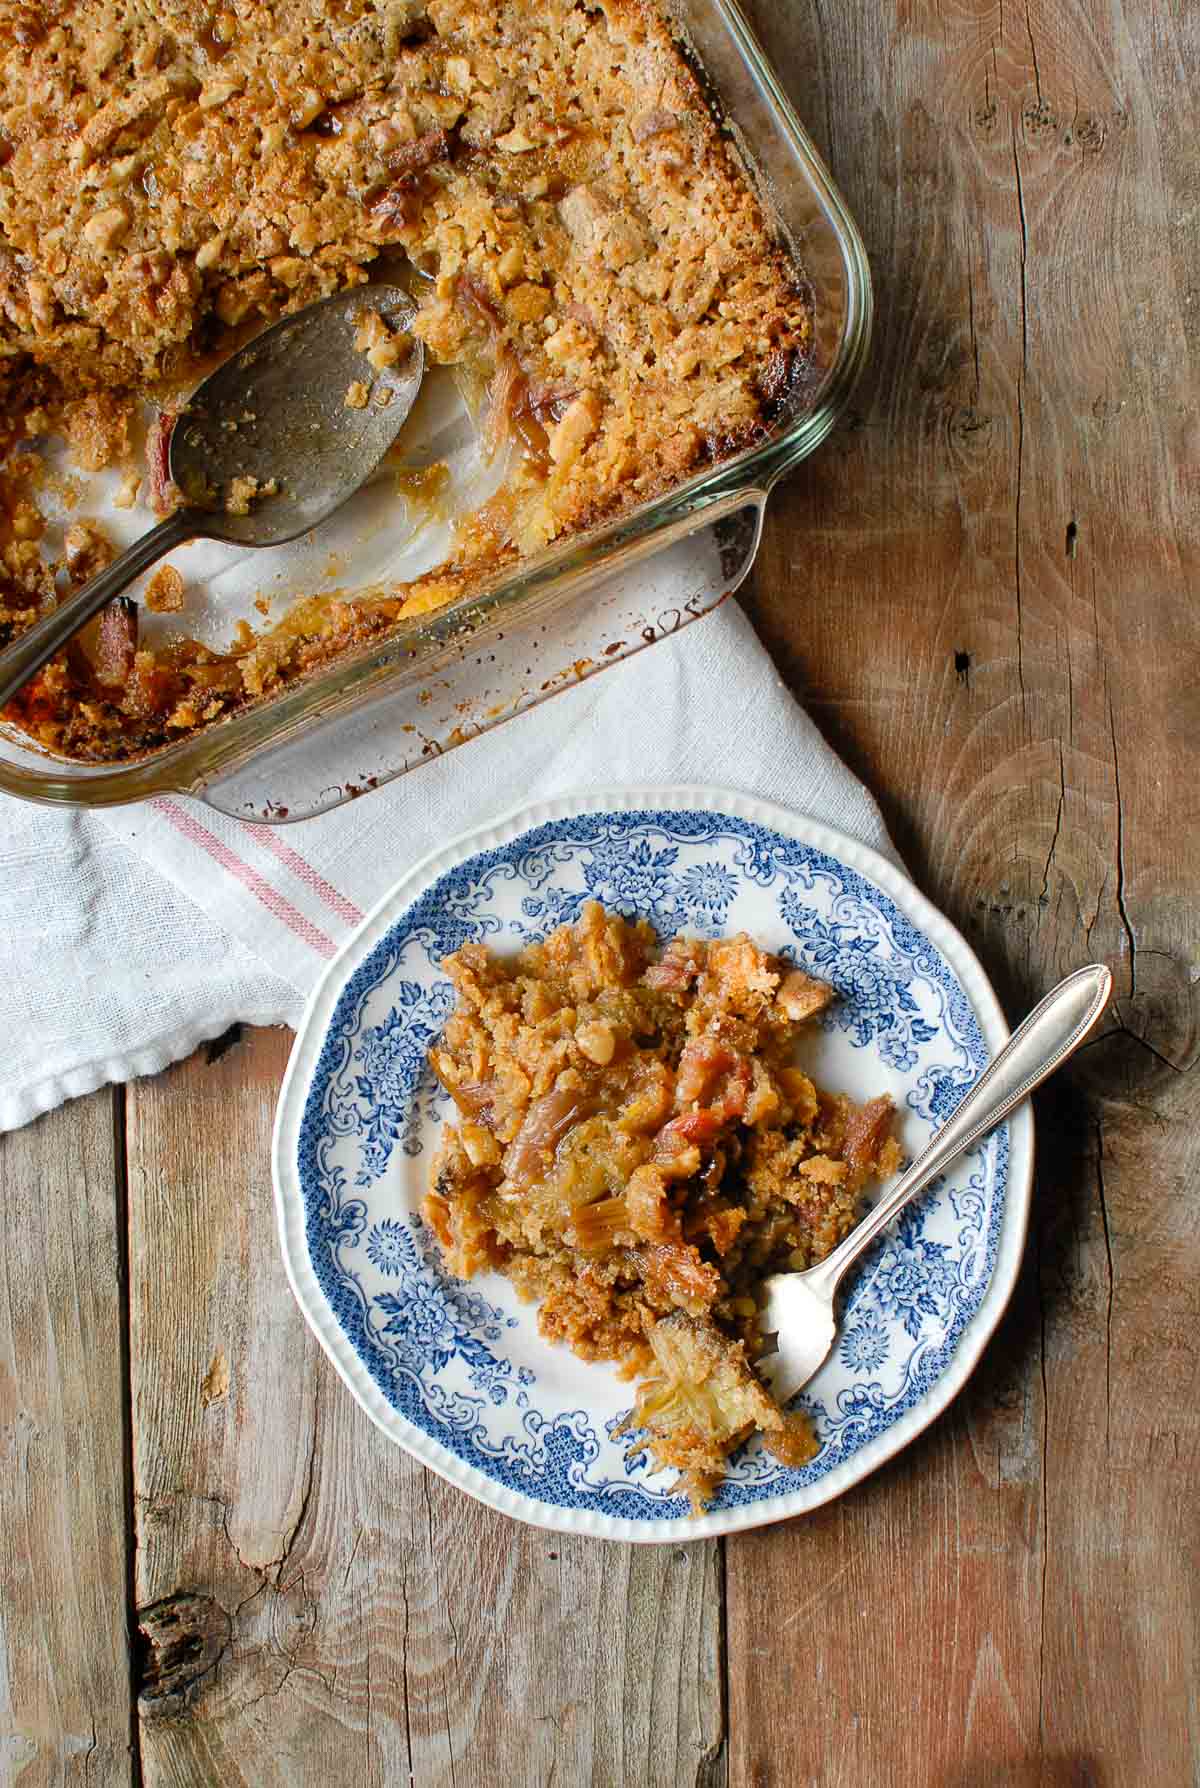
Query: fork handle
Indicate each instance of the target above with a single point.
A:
(38, 644)
(1052, 1032)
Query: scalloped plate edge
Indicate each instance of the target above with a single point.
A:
(289, 1203)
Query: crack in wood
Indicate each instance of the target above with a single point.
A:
(712, 1769)
(714, 1764)
(823, 33)
(306, 1494)
(404, 1673)
(449, 1622)
(1143, 1042)
(1122, 909)
(271, 1572)
(352, 1557)
(256, 1570)
(971, 323)
(1109, 1309)
(1121, 1029)
(1041, 1679)
(1021, 429)
(1062, 797)
(1037, 75)
(128, 1478)
(269, 1693)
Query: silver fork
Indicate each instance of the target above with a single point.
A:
(799, 1306)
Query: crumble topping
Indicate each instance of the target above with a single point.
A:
(164, 592)
(636, 1149)
(580, 240)
(245, 491)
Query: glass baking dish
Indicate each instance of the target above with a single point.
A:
(581, 607)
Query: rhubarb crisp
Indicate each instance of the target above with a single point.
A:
(635, 1147)
(583, 244)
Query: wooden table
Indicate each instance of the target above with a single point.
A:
(214, 1570)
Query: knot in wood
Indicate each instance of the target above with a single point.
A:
(1090, 134)
(181, 1640)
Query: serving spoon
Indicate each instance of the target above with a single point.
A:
(276, 410)
(799, 1306)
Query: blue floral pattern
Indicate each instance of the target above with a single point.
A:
(916, 1276)
(395, 1087)
(386, 1246)
(708, 888)
(865, 1344)
(877, 1003)
(465, 1364)
(435, 1320)
(638, 881)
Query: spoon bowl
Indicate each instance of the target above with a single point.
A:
(267, 447)
(278, 410)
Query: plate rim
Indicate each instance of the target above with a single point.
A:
(305, 1052)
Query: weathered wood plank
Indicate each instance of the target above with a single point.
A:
(64, 1661)
(366, 1620)
(985, 591)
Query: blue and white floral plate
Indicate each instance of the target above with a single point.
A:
(457, 1373)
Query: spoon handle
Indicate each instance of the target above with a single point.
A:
(41, 641)
(1052, 1032)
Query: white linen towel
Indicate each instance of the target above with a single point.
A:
(129, 937)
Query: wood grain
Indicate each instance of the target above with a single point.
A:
(985, 590)
(357, 1619)
(64, 1655)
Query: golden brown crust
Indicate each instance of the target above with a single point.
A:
(589, 247)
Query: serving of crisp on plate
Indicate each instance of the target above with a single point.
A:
(457, 1372)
